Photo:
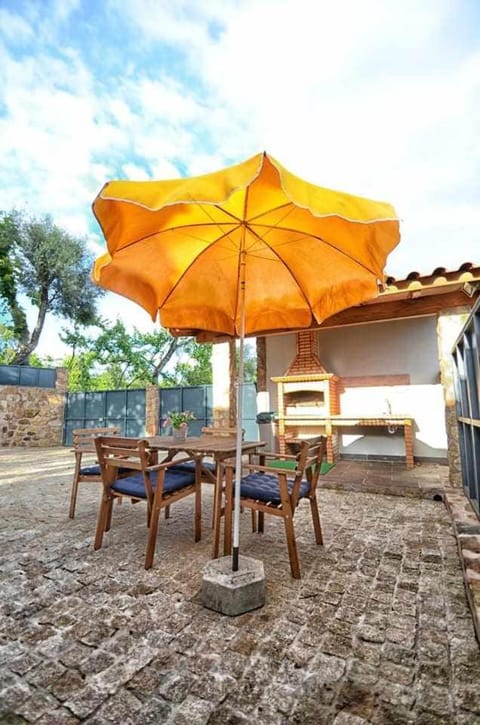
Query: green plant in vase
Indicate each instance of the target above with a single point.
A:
(178, 421)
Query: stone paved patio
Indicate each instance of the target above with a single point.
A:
(377, 631)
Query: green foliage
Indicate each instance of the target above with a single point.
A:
(197, 370)
(249, 363)
(179, 418)
(7, 341)
(116, 359)
(54, 264)
(51, 268)
(9, 308)
(80, 373)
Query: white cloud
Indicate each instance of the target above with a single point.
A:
(13, 27)
(378, 98)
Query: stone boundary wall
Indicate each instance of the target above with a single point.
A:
(32, 417)
(466, 525)
(449, 325)
(152, 409)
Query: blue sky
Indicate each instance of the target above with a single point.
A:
(378, 98)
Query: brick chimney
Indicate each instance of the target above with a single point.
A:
(306, 361)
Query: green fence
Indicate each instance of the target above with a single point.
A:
(199, 399)
(127, 408)
(123, 408)
(28, 375)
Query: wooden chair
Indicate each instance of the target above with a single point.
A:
(271, 489)
(83, 443)
(155, 483)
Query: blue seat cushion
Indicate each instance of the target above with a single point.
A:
(134, 486)
(90, 470)
(94, 470)
(265, 487)
(190, 466)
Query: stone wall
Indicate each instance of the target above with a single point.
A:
(449, 326)
(152, 408)
(32, 417)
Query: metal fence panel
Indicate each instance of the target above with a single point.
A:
(94, 405)
(194, 398)
(466, 360)
(28, 376)
(122, 408)
(126, 409)
(199, 399)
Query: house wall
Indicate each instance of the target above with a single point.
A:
(394, 348)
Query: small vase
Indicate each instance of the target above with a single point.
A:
(180, 434)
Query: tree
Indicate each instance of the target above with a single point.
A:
(116, 359)
(49, 266)
(18, 330)
(81, 373)
(197, 370)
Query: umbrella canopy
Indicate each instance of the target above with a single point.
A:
(183, 248)
(245, 250)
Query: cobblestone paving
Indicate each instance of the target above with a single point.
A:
(377, 631)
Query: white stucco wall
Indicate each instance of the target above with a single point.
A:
(399, 347)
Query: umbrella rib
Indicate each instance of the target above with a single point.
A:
(269, 211)
(277, 226)
(254, 233)
(213, 223)
(259, 237)
(175, 229)
(207, 246)
(314, 236)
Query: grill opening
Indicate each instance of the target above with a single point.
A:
(305, 398)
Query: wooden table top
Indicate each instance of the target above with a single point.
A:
(207, 445)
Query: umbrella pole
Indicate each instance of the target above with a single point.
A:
(238, 456)
(238, 461)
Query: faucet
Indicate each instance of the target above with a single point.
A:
(391, 428)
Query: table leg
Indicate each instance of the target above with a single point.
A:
(227, 524)
(217, 505)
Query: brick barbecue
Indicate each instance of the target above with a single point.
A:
(306, 393)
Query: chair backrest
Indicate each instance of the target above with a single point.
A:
(221, 431)
(84, 438)
(309, 461)
(120, 452)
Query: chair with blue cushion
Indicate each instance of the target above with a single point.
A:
(83, 444)
(158, 484)
(272, 489)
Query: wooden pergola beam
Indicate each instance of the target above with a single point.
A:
(398, 309)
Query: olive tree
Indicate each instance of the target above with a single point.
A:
(52, 269)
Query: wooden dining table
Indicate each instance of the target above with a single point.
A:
(220, 448)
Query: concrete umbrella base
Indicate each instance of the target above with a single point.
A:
(233, 592)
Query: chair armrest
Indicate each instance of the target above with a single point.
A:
(170, 464)
(276, 471)
(123, 463)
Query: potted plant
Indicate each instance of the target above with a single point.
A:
(178, 421)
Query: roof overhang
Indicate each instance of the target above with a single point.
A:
(414, 296)
(417, 297)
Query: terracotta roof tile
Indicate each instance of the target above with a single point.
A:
(467, 272)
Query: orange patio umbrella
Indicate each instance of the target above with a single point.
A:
(246, 250)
